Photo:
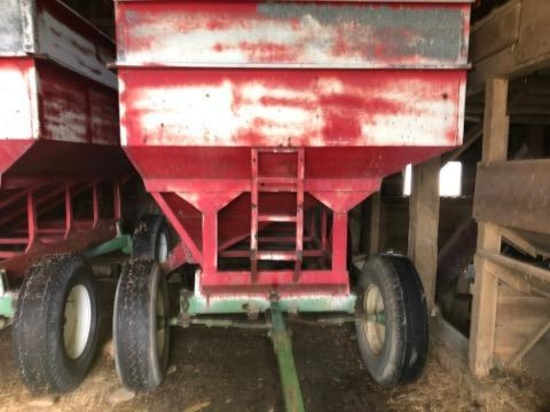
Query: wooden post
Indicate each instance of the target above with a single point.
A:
(424, 224)
(375, 223)
(484, 309)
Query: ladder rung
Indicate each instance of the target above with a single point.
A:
(278, 188)
(277, 180)
(276, 218)
(277, 150)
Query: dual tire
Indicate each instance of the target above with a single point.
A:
(141, 330)
(55, 331)
(56, 323)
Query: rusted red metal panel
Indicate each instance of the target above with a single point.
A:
(73, 108)
(55, 85)
(275, 107)
(302, 34)
(59, 132)
(47, 102)
(49, 29)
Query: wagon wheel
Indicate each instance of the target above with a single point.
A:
(56, 324)
(392, 330)
(151, 239)
(141, 325)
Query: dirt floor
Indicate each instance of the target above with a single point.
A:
(236, 370)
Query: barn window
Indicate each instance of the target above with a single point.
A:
(450, 180)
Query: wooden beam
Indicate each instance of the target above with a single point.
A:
(529, 345)
(516, 265)
(484, 308)
(510, 278)
(514, 194)
(510, 42)
(496, 32)
(519, 319)
(496, 125)
(424, 224)
(518, 241)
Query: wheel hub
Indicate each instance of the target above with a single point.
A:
(78, 321)
(374, 326)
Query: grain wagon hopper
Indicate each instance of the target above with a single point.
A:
(61, 168)
(256, 126)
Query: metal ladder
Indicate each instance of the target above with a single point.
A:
(277, 184)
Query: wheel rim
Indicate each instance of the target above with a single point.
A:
(162, 247)
(78, 321)
(373, 326)
(161, 323)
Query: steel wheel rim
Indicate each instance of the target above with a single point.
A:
(374, 330)
(161, 323)
(162, 247)
(77, 325)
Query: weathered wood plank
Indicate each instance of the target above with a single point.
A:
(424, 224)
(513, 264)
(514, 194)
(496, 124)
(529, 345)
(484, 308)
(531, 243)
(518, 319)
(504, 21)
(528, 53)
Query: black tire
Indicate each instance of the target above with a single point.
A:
(140, 363)
(401, 355)
(47, 363)
(149, 233)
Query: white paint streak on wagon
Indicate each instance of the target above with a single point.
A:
(18, 114)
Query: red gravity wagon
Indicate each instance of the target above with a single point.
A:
(256, 126)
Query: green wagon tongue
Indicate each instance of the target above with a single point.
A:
(287, 369)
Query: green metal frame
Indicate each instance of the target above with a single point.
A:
(287, 368)
(192, 304)
(195, 308)
(7, 301)
(121, 243)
